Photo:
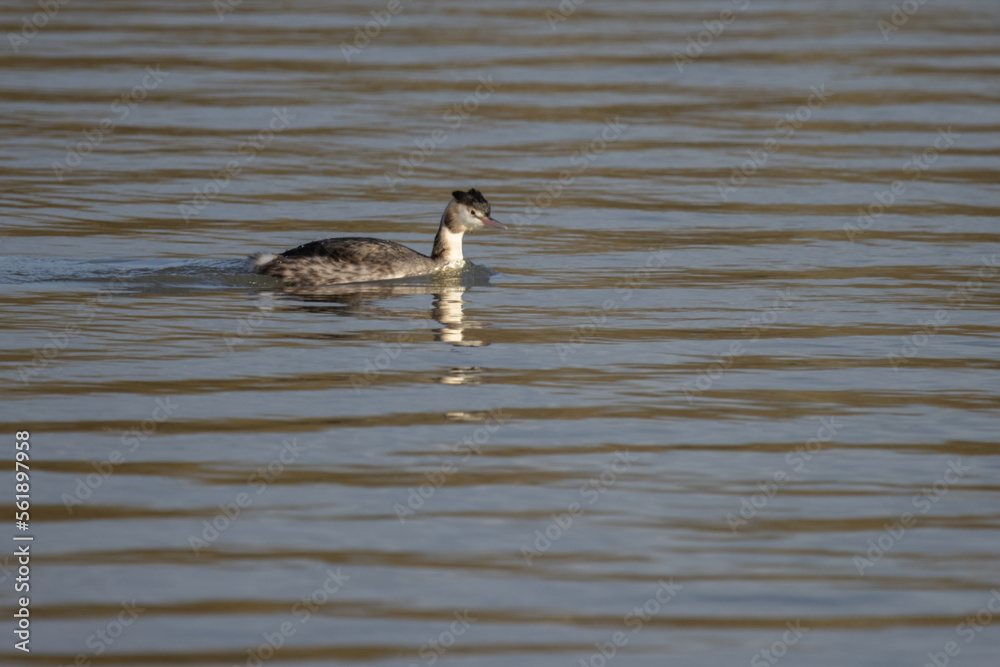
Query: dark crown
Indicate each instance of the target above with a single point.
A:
(472, 198)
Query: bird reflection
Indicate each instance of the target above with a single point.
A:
(448, 311)
(360, 300)
(465, 375)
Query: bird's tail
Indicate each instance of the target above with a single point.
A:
(259, 260)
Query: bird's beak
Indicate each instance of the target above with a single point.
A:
(490, 222)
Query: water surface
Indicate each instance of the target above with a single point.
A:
(725, 393)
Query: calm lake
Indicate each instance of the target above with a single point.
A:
(726, 392)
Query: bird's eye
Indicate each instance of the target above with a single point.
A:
(473, 212)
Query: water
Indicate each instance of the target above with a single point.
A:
(692, 408)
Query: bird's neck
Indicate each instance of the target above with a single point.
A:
(447, 244)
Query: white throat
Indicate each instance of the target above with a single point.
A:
(452, 246)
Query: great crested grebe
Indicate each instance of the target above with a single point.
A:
(351, 260)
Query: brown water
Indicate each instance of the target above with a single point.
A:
(692, 409)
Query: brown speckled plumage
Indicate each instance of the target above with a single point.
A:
(349, 260)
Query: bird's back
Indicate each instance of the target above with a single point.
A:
(345, 260)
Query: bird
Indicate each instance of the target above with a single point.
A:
(357, 259)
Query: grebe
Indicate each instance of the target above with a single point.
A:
(351, 260)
